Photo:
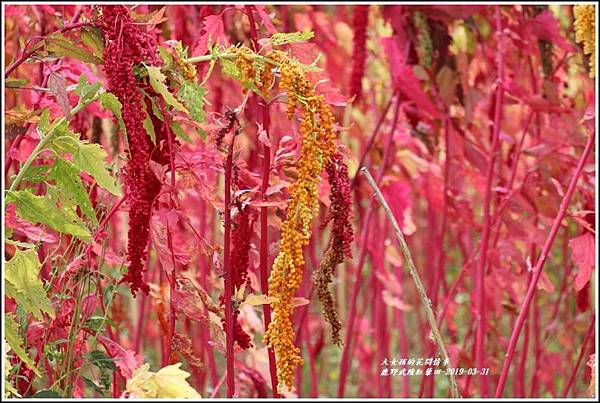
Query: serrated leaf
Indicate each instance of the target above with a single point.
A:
(157, 81)
(11, 334)
(59, 45)
(92, 37)
(192, 95)
(57, 83)
(101, 360)
(111, 102)
(43, 210)
(24, 285)
(176, 127)
(66, 175)
(90, 158)
(87, 90)
(37, 173)
(168, 382)
(282, 38)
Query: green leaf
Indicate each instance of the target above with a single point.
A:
(111, 102)
(18, 243)
(66, 175)
(44, 123)
(149, 126)
(166, 56)
(46, 393)
(15, 82)
(87, 90)
(92, 384)
(36, 174)
(176, 127)
(92, 37)
(282, 38)
(101, 360)
(90, 158)
(96, 323)
(15, 342)
(230, 69)
(59, 45)
(24, 285)
(192, 95)
(42, 209)
(157, 81)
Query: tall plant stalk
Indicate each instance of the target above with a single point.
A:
(480, 360)
(537, 270)
(426, 302)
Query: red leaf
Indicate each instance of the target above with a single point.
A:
(583, 248)
(404, 78)
(127, 361)
(213, 29)
(33, 232)
(332, 95)
(546, 26)
(266, 20)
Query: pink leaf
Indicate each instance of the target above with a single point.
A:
(332, 95)
(583, 248)
(213, 30)
(546, 26)
(33, 232)
(266, 20)
(404, 78)
(127, 361)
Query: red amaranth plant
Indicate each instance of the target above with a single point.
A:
(125, 46)
(360, 20)
(240, 248)
(342, 235)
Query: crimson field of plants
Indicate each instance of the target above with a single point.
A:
(300, 200)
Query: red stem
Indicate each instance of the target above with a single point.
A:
(27, 53)
(345, 361)
(540, 264)
(230, 355)
(363, 157)
(264, 223)
(480, 361)
(588, 336)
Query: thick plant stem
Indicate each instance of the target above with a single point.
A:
(228, 275)
(264, 248)
(264, 223)
(345, 361)
(173, 277)
(537, 271)
(480, 361)
(586, 340)
(417, 280)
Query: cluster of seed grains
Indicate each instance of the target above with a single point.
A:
(318, 147)
(585, 32)
(360, 20)
(253, 69)
(126, 46)
(342, 235)
(240, 259)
